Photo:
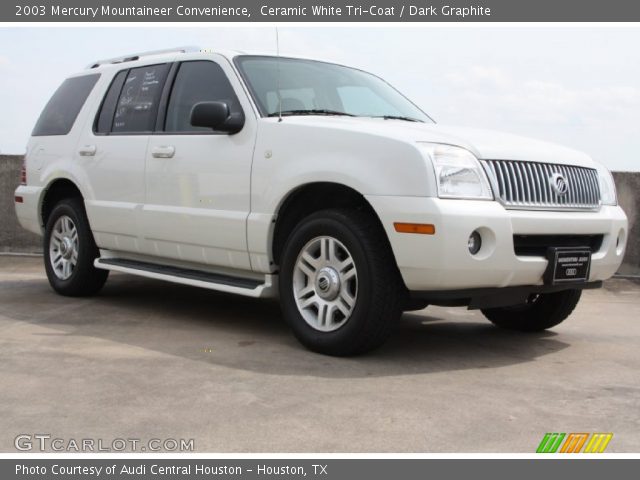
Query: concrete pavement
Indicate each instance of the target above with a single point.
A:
(146, 359)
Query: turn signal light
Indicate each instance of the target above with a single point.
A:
(423, 228)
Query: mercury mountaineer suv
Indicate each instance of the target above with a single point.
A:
(315, 182)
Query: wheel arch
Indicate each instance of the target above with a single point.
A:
(309, 198)
(57, 190)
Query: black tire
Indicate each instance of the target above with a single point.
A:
(85, 279)
(380, 291)
(540, 313)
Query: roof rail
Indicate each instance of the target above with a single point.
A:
(136, 56)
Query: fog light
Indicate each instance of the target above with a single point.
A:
(474, 243)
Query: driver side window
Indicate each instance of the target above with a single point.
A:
(197, 81)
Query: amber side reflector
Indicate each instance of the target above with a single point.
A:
(423, 228)
(18, 199)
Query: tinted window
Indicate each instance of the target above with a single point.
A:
(60, 114)
(108, 109)
(138, 103)
(200, 81)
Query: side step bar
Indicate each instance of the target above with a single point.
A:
(197, 278)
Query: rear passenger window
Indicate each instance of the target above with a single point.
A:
(138, 103)
(61, 112)
(197, 81)
(108, 109)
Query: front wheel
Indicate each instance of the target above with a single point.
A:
(340, 289)
(542, 311)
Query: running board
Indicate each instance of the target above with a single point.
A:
(186, 276)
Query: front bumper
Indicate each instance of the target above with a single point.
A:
(442, 261)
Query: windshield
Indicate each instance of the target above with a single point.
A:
(307, 87)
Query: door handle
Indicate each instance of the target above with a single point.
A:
(166, 151)
(87, 150)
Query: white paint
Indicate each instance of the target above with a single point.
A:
(212, 203)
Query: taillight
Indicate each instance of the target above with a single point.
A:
(23, 173)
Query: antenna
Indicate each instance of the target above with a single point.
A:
(278, 75)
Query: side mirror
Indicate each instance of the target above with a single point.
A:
(216, 115)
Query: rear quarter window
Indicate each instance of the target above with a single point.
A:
(61, 111)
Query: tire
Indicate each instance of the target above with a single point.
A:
(69, 251)
(539, 313)
(368, 302)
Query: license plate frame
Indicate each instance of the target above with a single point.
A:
(567, 265)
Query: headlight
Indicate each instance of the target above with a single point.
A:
(607, 187)
(458, 173)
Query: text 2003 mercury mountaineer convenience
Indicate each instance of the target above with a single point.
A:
(322, 184)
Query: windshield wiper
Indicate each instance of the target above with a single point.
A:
(311, 111)
(398, 117)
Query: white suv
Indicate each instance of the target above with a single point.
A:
(259, 174)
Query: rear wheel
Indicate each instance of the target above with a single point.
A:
(542, 311)
(69, 251)
(340, 289)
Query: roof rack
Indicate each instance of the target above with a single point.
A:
(137, 56)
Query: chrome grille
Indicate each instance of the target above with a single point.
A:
(528, 185)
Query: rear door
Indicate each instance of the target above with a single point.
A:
(197, 179)
(111, 155)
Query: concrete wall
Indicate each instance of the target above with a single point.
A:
(14, 239)
(628, 186)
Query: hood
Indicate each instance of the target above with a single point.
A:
(484, 144)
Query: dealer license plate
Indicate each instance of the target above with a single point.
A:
(568, 265)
